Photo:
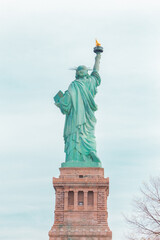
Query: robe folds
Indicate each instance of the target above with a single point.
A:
(79, 106)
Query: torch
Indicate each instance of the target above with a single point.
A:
(98, 48)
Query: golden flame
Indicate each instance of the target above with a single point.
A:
(97, 43)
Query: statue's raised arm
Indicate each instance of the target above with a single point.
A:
(97, 62)
(98, 50)
(78, 104)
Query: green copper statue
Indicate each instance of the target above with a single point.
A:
(78, 104)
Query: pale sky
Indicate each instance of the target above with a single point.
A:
(39, 42)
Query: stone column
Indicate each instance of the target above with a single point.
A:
(75, 200)
(85, 199)
(95, 199)
(65, 200)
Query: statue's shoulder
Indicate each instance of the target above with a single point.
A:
(95, 74)
(72, 86)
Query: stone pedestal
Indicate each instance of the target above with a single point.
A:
(81, 205)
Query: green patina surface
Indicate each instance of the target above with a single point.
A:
(78, 104)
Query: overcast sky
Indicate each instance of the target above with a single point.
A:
(39, 42)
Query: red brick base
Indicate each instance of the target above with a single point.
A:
(81, 205)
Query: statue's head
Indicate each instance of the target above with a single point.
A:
(81, 71)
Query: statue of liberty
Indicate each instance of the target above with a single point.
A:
(79, 106)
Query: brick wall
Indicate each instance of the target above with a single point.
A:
(101, 203)
(59, 214)
(87, 221)
(101, 207)
(59, 200)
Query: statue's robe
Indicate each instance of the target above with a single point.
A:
(79, 106)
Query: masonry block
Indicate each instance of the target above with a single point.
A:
(81, 205)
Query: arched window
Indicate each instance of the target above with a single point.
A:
(70, 198)
(90, 198)
(80, 198)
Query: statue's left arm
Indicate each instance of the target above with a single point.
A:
(64, 103)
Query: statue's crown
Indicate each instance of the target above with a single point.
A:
(81, 67)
